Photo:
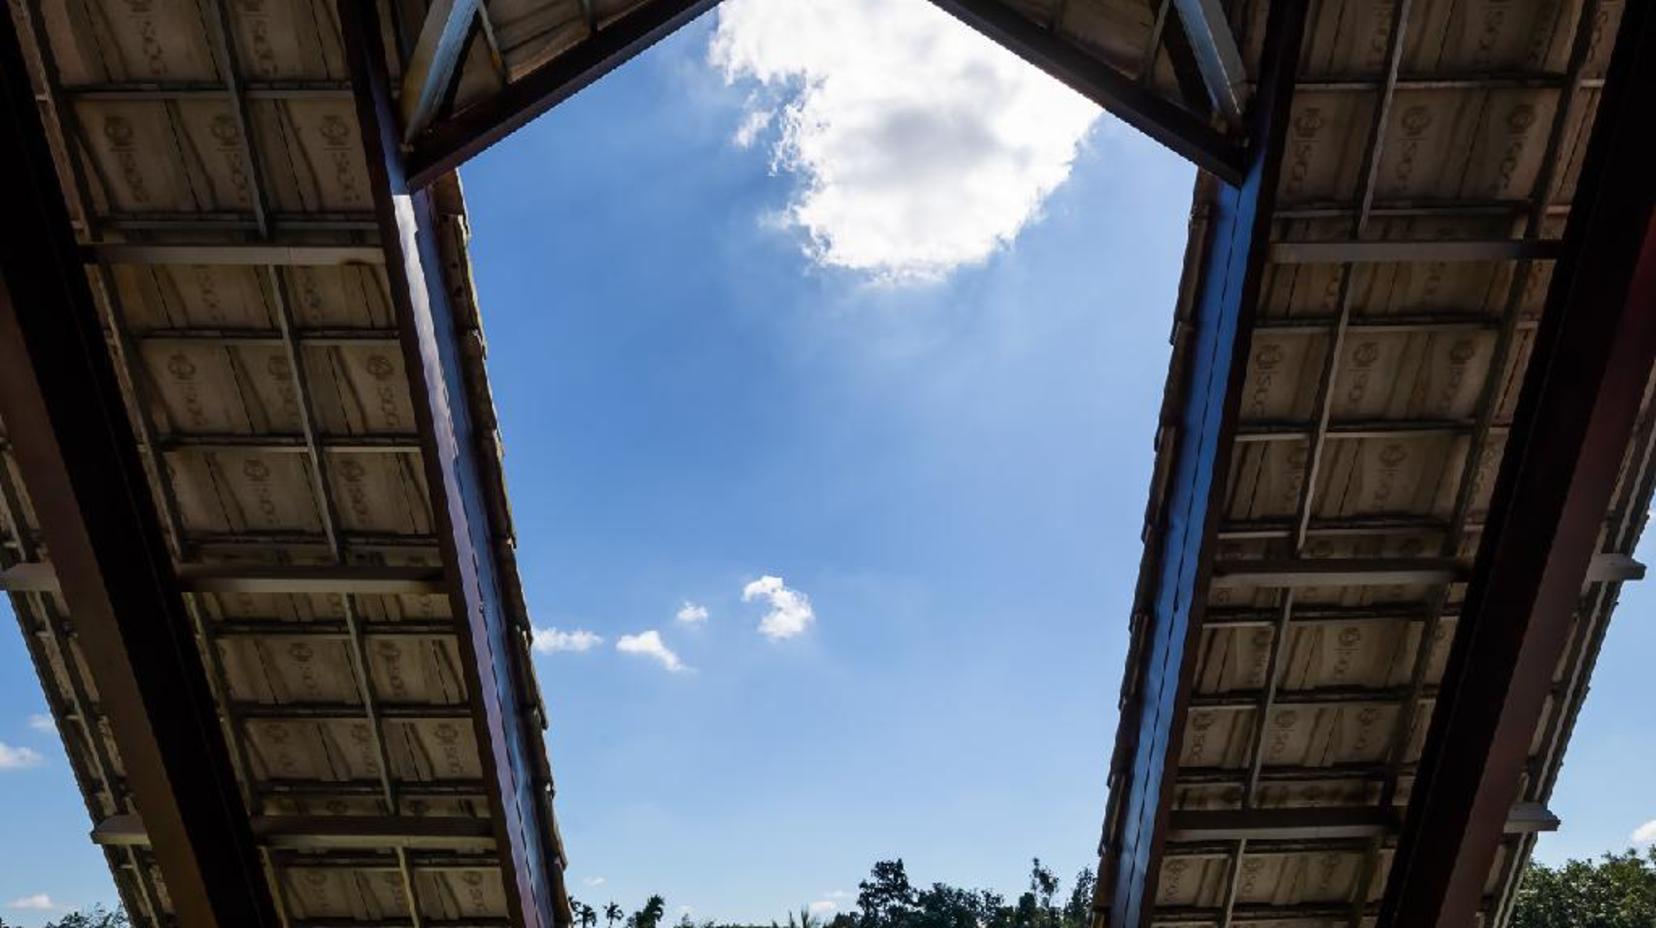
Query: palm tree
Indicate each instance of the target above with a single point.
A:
(611, 913)
(650, 915)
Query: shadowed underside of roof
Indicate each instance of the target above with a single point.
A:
(212, 159)
(1433, 150)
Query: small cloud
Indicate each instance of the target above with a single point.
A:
(837, 894)
(552, 640)
(824, 906)
(19, 758)
(42, 722)
(685, 910)
(594, 881)
(691, 614)
(1646, 833)
(39, 902)
(649, 644)
(790, 610)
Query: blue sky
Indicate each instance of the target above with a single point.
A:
(724, 350)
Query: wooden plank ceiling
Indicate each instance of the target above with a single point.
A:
(1433, 151)
(211, 157)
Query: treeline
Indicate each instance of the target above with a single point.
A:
(1615, 891)
(888, 900)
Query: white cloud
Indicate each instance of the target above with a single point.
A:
(18, 758)
(920, 145)
(824, 906)
(790, 610)
(1646, 833)
(42, 722)
(691, 614)
(756, 121)
(552, 640)
(39, 902)
(594, 881)
(650, 645)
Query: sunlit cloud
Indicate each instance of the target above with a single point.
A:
(1646, 833)
(691, 614)
(649, 644)
(919, 145)
(552, 640)
(790, 610)
(39, 902)
(42, 722)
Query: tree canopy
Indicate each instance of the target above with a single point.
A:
(1615, 891)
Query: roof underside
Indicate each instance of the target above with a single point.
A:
(269, 392)
(1378, 392)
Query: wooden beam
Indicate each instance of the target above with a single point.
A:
(363, 579)
(1173, 587)
(449, 142)
(1293, 824)
(1335, 571)
(1592, 359)
(1373, 252)
(78, 458)
(251, 254)
(1217, 55)
(433, 66)
(358, 580)
(509, 739)
(1188, 134)
(332, 832)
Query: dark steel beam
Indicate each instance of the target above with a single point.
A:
(1188, 134)
(61, 402)
(450, 141)
(1592, 359)
(1173, 591)
(509, 743)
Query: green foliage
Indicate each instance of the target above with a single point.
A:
(650, 915)
(1615, 891)
(96, 917)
